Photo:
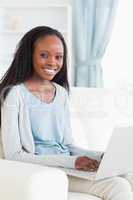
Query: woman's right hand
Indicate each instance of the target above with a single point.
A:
(86, 164)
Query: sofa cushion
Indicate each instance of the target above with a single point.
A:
(24, 181)
(81, 196)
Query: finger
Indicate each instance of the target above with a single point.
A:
(78, 167)
(92, 167)
(92, 161)
(96, 163)
(89, 169)
(86, 168)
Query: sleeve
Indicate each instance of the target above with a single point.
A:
(68, 139)
(11, 141)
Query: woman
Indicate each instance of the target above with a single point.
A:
(35, 121)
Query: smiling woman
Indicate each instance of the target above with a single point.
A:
(41, 57)
(40, 131)
(47, 57)
(40, 65)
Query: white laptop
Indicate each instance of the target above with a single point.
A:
(117, 160)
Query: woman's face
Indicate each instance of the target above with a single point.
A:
(47, 57)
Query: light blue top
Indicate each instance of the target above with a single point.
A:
(37, 132)
(47, 124)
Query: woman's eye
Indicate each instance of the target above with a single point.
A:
(43, 55)
(59, 57)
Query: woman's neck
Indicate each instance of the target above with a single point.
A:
(38, 84)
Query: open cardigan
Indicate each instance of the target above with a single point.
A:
(17, 139)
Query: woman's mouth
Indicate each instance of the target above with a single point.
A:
(50, 71)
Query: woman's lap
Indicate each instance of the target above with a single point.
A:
(129, 177)
(100, 188)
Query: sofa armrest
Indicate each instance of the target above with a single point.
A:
(26, 181)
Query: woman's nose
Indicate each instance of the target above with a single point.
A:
(52, 60)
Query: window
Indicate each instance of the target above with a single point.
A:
(118, 60)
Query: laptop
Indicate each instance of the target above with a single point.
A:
(117, 160)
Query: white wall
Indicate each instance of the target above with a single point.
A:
(13, 22)
(35, 2)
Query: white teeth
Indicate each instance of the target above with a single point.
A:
(50, 71)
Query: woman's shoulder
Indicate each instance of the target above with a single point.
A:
(62, 94)
(14, 88)
(61, 89)
(13, 91)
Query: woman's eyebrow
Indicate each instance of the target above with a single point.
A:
(58, 52)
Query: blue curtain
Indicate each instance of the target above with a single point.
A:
(92, 27)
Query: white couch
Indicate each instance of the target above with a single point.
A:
(94, 112)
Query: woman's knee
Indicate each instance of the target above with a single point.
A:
(121, 184)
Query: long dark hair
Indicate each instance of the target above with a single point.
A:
(21, 68)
